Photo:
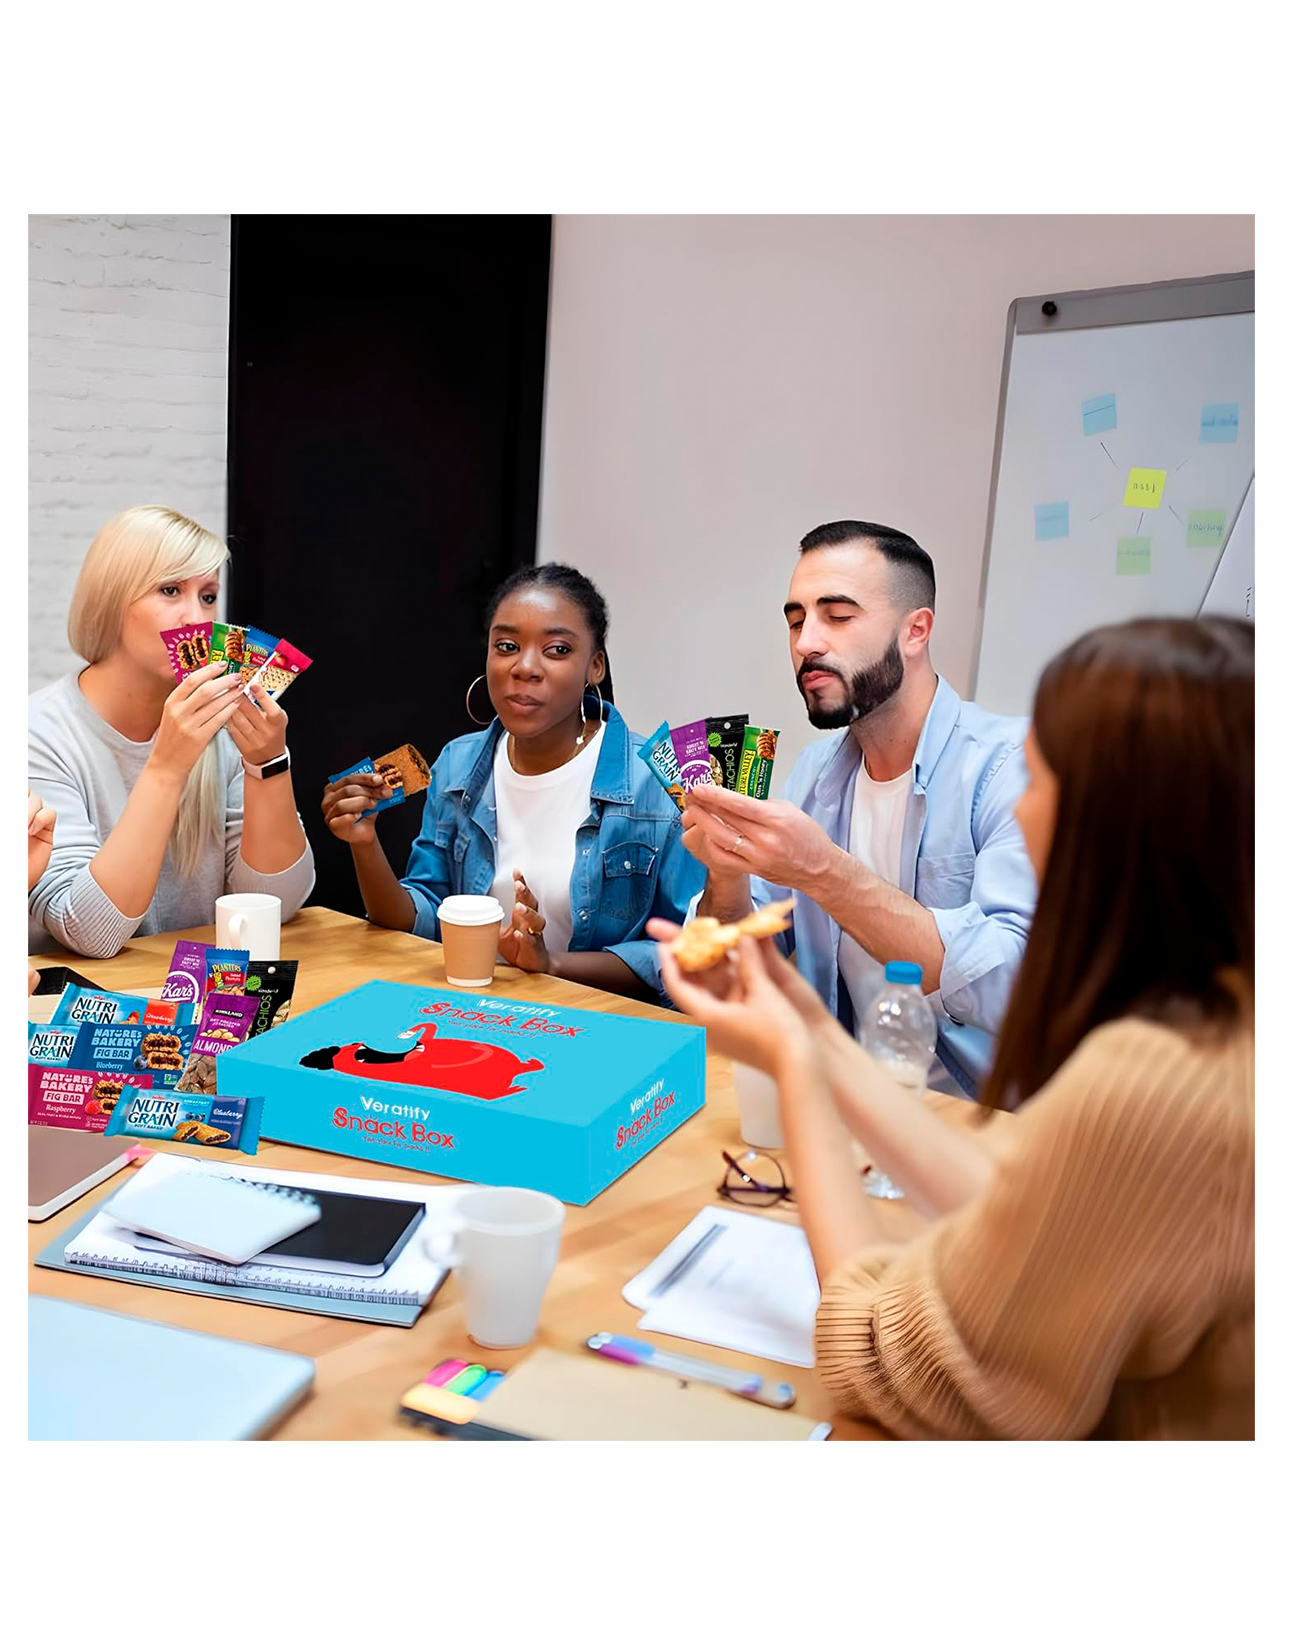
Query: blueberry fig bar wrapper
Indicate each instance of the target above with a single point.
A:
(202, 1120)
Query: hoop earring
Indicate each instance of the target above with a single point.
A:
(473, 719)
(592, 690)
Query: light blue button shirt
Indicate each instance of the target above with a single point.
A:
(963, 858)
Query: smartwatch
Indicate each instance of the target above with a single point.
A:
(267, 770)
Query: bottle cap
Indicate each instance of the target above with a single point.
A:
(904, 971)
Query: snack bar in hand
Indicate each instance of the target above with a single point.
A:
(705, 942)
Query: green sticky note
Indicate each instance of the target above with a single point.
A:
(1145, 488)
(1205, 527)
(1133, 557)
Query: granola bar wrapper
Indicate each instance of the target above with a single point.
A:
(757, 761)
(690, 742)
(50, 1046)
(187, 975)
(78, 1004)
(229, 646)
(284, 664)
(725, 739)
(73, 1098)
(658, 755)
(188, 648)
(270, 983)
(367, 766)
(224, 970)
(233, 1121)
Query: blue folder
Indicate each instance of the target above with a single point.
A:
(96, 1375)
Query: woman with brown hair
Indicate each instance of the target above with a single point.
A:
(1090, 1268)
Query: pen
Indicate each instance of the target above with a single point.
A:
(636, 1352)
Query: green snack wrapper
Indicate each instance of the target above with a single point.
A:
(757, 759)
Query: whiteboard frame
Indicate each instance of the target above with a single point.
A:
(1230, 294)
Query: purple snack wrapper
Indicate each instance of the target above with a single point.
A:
(187, 973)
(225, 1021)
(691, 744)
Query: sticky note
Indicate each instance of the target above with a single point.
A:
(1099, 414)
(1051, 519)
(1219, 424)
(1205, 527)
(1134, 556)
(1145, 488)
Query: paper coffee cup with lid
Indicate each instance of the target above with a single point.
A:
(470, 928)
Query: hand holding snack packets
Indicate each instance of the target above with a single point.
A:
(258, 657)
(404, 770)
(726, 751)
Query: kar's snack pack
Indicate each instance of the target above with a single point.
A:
(757, 757)
(725, 738)
(690, 744)
(50, 1046)
(113, 1047)
(202, 1120)
(705, 942)
(283, 665)
(658, 755)
(71, 1098)
(187, 975)
(224, 970)
(270, 983)
(228, 646)
(94, 1005)
(188, 648)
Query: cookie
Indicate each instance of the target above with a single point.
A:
(705, 942)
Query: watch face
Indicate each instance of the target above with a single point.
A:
(280, 765)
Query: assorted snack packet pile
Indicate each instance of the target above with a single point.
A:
(405, 770)
(91, 1063)
(273, 663)
(726, 751)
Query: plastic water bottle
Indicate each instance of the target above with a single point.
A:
(899, 1032)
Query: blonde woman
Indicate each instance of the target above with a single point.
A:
(167, 795)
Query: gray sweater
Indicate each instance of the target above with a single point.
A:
(85, 770)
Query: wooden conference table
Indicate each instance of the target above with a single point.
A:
(361, 1369)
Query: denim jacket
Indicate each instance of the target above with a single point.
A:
(628, 862)
(963, 858)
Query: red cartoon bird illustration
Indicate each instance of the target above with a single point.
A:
(459, 1066)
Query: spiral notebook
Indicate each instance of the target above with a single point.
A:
(101, 1246)
(226, 1219)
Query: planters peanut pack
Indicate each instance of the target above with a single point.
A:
(473, 1086)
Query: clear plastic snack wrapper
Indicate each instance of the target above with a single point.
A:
(201, 1120)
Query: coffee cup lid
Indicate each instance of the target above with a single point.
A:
(468, 910)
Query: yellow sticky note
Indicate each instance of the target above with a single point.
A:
(1145, 488)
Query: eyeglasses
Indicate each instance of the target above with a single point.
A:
(754, 1179)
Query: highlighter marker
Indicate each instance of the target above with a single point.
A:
(464, 1381)
(485, 1386)
(430, 1401)
(444, 1372)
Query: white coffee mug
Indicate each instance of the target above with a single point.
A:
(249, 920)
(503, 1245)
(760, 1111)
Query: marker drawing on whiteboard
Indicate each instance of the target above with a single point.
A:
(1102, 444)
(1174, 512)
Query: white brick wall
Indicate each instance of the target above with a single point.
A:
(128, 336)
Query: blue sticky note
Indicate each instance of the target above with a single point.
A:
(1099, 414)
(1051, 519)
(1219, 424)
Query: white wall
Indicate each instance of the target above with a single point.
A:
(716, 386)
(129, 320)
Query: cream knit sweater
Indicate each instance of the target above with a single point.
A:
(1102, 1285)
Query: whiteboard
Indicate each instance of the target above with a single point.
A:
(1232, 591)
(1126, 444)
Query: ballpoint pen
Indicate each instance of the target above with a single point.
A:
(636, 1352)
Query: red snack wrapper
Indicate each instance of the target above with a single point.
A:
(284, 665)
(188, 648)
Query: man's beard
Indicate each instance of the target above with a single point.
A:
(868, 690)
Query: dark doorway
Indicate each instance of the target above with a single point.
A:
(386, 379)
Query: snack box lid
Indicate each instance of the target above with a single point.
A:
(530, 1060)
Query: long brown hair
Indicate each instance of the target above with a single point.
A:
(1147, 903)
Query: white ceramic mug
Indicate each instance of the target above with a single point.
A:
(249, 920)
(760, 1111)
(503, 1246)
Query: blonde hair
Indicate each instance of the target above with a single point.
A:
(136, 551)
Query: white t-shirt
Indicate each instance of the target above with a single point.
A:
(876, 840)
(537, 822)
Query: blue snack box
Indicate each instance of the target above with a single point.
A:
(473, 1086)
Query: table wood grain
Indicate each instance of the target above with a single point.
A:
(361, 1369)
